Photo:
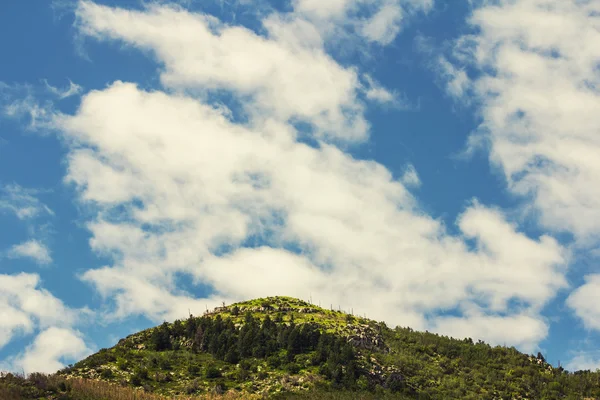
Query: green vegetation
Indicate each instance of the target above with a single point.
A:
(285, 348)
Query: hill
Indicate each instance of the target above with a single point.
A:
(281, 347)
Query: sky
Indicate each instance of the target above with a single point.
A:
(428, 163)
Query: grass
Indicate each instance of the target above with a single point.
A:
(42, 386)
(333, 321)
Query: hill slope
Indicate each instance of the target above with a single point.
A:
(281, 347)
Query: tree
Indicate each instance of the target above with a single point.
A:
(232, 356)
(199, 339)
(178, 329)
(541, 357)
(161, 337)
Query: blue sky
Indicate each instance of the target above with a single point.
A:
(428, 164)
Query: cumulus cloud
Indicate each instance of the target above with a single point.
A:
(377, 21)
(33, 249)
(182, 190)
(538, 87)
(25, 306)
(49, 351)
(585, 301)
(285, 82)
(179, 187)
(384, 25)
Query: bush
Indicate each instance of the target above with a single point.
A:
(242, 375)
(106, 373)
(274, 361)
(193, 369)
(212, 372)
(262, 375)
(135, 380)
(292, 368)
(219, 388)
(123, 364)
(139, 375)
(193, 387)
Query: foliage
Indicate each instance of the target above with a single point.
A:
(56, 387)
(286, 348)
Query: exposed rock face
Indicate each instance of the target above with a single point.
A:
(386, 376)
(365, 337)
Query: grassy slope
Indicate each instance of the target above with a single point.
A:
(429, 366)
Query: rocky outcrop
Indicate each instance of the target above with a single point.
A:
(386, 376)
(365, 337)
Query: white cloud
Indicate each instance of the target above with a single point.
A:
(364, 242)
(585, 301)
(22, 202)
(520, 330)
(33, 249)
(24, 307)
(582, 362)
(21, 102)
(49, 350)
(384, 25)
(376, 92)
(73, 90)
(539, 97)
(284, 82)
(179, 189)
(410, 177)
(456, 79)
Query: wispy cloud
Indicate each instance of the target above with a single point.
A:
(584, 361)
(73, 90)
(22, 202)
(410, 177)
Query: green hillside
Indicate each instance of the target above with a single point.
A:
(281, 347)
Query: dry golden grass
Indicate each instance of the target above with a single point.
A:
(41, 386)
(92, 390)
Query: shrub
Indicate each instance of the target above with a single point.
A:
(262, 375)
(274, 361)
(123, 364)
(193, 369)
(242, 375)
(212, 372)
(292, 368)
(106, 373)
(139, 375)
(192, 387)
